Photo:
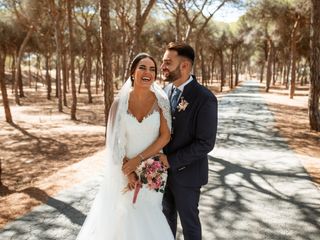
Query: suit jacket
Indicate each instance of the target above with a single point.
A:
(193, 135)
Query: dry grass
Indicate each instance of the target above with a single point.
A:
(36, 150)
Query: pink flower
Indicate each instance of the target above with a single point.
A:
(151, 174)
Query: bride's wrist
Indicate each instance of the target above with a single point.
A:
(141, 157)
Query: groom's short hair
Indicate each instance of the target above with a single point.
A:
(183, 49)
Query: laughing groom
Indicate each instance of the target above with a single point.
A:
(194, 127)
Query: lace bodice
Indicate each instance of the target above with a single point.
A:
(140, 135)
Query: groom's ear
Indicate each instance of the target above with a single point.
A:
(185, 65)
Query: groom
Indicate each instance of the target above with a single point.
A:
(194, 127)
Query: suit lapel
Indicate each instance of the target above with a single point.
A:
(187, 93)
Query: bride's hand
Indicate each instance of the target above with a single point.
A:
(164, 160)
(130, 166)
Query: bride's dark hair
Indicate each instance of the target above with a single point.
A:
(135, 62)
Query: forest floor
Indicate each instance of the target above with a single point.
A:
(292, 121)
(41, 152)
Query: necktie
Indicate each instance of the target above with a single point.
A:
(174, 99)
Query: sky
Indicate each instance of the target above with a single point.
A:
(228, 13)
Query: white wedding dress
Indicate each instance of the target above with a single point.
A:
(124, 220)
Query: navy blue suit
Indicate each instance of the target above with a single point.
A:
(193, 137)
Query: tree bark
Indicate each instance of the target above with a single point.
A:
(13, 72)
(58, 67)
(203, 70)
(293, 58)
(221, 70)
(106, 47)
(71, 53)
(56, 14)
(4, 91)
(262, 71)
(269, 64)
(64, 65)
(314, 92)
(18, 82)
(88, 64)
(237, 66)
(48, 78)
(231, 67)
(274, 72)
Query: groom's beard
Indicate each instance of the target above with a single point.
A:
(173, 75)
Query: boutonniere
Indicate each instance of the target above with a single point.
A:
(182, 105)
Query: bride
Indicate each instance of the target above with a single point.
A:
(138, 127)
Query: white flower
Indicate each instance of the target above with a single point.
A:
(182, 105)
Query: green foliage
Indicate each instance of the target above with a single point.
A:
(264, 19)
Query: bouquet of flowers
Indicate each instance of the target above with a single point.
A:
(152, 175)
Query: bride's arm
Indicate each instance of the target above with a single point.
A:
(154, 148)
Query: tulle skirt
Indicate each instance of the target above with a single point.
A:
(115, 217)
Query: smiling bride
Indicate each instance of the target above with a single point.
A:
(138, 128)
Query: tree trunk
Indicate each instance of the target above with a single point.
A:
(56, 81)
(98, 74)
(203, 70)
(287, 79)
(178, 25)
(293, 58)
(284, 74)
(48, 78)
(274, 72)
(57, 15)
(71, 53)
(18, 80)
(106, 48)
(20, 83)
(221, 70)
(237, 66)
(231, 69)
(13, 72)
(269, 64)
(212, 67)
(88, 64)
(80, 70)
(262, 71)
(64, 77)
(314, 92)
(4, 91)
(29, 71)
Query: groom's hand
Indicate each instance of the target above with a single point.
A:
(164, 160)
(130, 166)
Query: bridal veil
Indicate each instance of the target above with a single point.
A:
(104, 207)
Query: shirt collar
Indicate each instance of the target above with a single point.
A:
(181, 87)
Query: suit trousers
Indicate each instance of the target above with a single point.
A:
(184, 201)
